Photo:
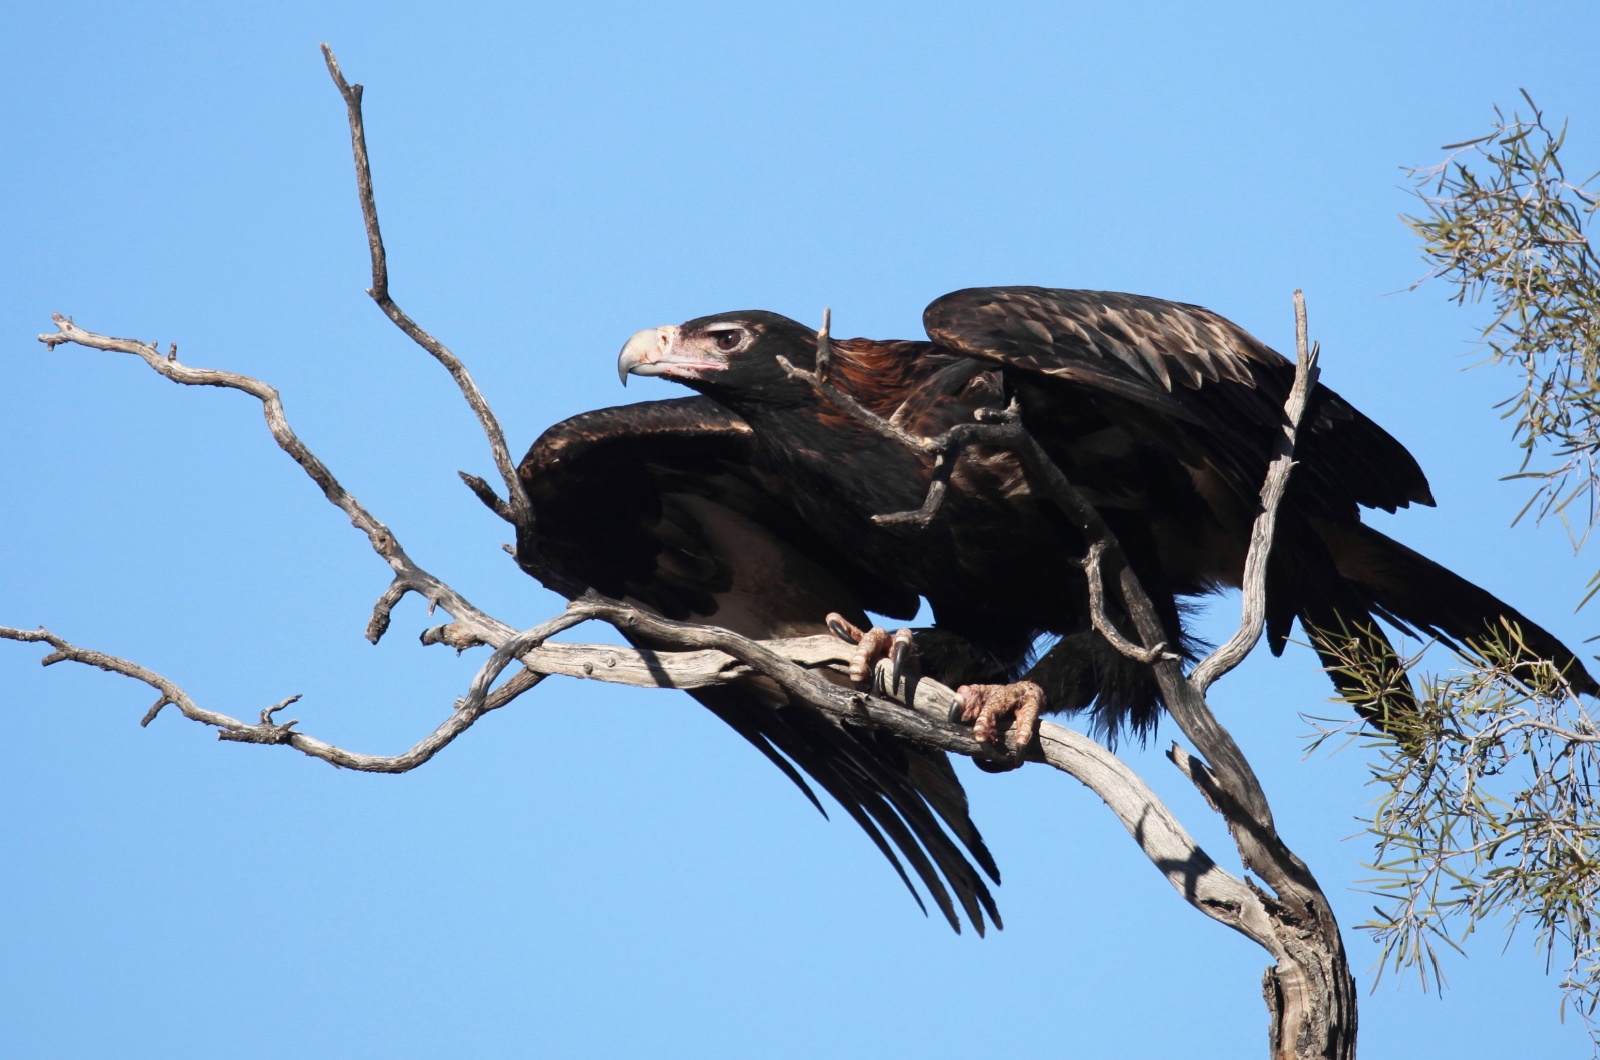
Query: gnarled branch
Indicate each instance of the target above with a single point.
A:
(516, 508)
(1309, 991)
(1253, 608)
(409, 576)
(919, 712)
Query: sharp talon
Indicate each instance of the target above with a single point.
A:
(899, 654)
(873, 646)
(842, 628)
(957, 711)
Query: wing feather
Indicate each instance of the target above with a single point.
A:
(1185, 364)
(661, 503)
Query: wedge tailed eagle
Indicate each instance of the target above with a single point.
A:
(751, 505)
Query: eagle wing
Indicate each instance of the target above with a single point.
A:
(1194, 371)
(661, 504)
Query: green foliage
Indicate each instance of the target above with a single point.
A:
(1503, 223)
(1487, 813)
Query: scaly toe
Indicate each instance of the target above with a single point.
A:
(874, 645)
(985, 706)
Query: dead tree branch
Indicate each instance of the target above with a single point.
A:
(918, 712)
(515, 508)
(1095, 575)
(266, 731)
(1310, 992)
(706, 655)
(409, 577)
(1253, 615)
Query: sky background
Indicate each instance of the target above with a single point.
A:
(598, 872)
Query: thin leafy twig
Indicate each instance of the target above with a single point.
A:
(1504, 224)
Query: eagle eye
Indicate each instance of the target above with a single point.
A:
(727, 339)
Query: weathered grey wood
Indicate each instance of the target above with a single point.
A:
(1309, 987)
(672, 669)
(1253, 607)
(1309, 990)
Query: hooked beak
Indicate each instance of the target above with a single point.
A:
(653, 352)
(641, 354)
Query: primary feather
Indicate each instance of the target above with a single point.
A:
(661, 504)
(752, 507)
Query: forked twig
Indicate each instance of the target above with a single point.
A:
(1294, 928)
(825, 345)
(266, 731)
(1253, 609)
(854, 409)
(1103, 625)
(409, 577)
(516, 507)
(704, 656)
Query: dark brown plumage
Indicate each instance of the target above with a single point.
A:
(752, 507)
(663, 504)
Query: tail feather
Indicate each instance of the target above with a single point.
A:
(1416, 594)
(1362, 663)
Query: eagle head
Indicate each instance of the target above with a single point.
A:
(728, 351)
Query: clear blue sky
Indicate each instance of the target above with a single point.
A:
(598, 873)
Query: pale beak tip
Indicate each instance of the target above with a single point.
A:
(636, 353)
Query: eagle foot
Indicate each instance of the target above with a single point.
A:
(984, 707)
(873, 645)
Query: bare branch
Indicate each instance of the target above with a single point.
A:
(1199, 775)
(948, 448)
(937, 485)
(1102, 621)
(383, 610)
(640, 668)
(518, 507)
(1201, 882)
(920, 707)
(855, 410)
(643, 668)
(1254, 605)
(485, 493)
(266, 731)
(151, 714)
(170, 692)
(825, 346)
(409, 577)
